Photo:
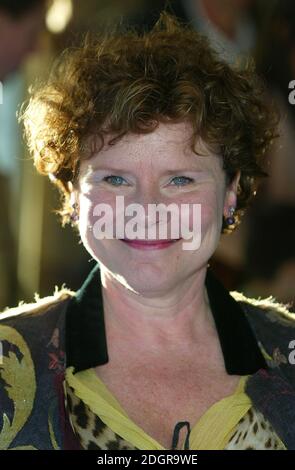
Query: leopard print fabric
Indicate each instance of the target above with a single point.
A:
(253, 432)
(91, 431)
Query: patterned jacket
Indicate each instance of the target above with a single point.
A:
(38, 341)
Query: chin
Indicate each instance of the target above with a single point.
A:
(149, 287)
(145, 279)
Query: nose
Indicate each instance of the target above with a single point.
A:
(147, 216)
(152, 214)
(147, 194)
(138, 203)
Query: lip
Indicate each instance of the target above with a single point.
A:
(149, 244)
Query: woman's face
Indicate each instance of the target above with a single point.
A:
(154, 168)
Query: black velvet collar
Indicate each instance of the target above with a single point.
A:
(86, 345)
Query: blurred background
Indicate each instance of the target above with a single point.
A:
(36, 253)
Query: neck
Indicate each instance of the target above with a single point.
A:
(175, 320)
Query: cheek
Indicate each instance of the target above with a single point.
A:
(210, 210)
(89, 205)
(210, 206)
(84, 216)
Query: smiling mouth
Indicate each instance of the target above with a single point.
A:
(165, 240)
(149, 244)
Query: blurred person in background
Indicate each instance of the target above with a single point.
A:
(21, 22)
(270, 253)
(270, 240)
(275, 61)
(228, 24)
(152, 352)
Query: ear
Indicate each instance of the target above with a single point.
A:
(231, 194)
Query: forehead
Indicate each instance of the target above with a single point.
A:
(168, 145)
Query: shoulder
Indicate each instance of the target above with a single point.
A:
(30, 332)
(273, 324)
(267, 309)
(35, 321)
(36, 308)
(32, 359)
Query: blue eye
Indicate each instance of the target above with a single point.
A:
(182, 180)
(114, 180)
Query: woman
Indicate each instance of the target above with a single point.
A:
(152, 352)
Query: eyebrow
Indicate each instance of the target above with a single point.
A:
(168, 172)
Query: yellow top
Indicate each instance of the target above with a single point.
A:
(222, 417)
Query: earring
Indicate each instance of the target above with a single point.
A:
(230, 220)
(74, 215)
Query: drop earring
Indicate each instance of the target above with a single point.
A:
(230, 220)
(74, 215)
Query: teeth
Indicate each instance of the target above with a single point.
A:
(151, 241)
